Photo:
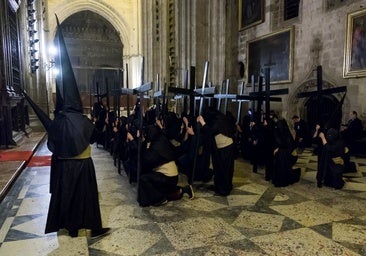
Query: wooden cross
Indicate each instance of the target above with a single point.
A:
(261, 96)
(185, 92)
(319, 94)
(226, 96)
(145, 87)
(194, 94)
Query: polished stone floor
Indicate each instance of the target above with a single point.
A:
(256, 219)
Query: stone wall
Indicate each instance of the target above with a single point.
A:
(320, 37)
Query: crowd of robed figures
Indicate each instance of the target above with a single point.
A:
(155, 149)
(204, 147)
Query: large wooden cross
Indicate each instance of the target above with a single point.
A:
(319, 93)
(145, 87)
(234, 98)
(265, 95)
(194, 94)
(226, 96)
(186, 92)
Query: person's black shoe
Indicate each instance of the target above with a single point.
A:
(100, 232)
(189, 191)
(73, 233)
(319, 184)
(164, 201)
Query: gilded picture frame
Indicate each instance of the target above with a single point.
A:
(275, 50)
(355, 45)
(251, 13)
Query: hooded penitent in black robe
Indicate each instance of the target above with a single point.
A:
(282, 173)
(331, 162)
(221, 129)
(159, 177)
(74, 200)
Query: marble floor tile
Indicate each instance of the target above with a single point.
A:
(35, 205)
(54, 245)
(311, 213)
(352, 206)
(42, 177)
(127, 241)
(310, 191)
(5, 228)
(201, 204)
(361, 195)
(359, 160)
(255, 219)
(355, 234)
(302, 241)
(254, 188)
(224, 250)
(309, 176)
(23, 191)
(198, 232)
(353, 175)
(358, 185)
(124, 216)
(362, 218)
(312, 166)
(242, 200)
(261, 221)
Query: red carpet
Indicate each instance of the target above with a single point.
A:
(40, 161)
(15, 156)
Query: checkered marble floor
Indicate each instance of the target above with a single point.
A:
(256, 219)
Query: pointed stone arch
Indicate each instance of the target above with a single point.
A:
(303, 106)
(66, 8)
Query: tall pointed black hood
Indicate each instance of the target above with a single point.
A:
(66, 87)
(70, 132)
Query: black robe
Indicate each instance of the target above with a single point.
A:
(222, 158)
(331, 163)
(74, 200)
(282, 173)
(155, 187)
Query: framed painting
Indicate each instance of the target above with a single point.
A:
(355, 46)
(274, 50)
(251, 13)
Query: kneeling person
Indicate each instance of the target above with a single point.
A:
(159, 181)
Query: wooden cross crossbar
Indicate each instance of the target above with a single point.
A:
(204, 92)
(123, 91)
(100, 96)
(322, 92)
(158, 94)
(319, 93)
(261, 95)
(126, 91)
(208, 91)
(196, 94)
(251, 98)
(271, 92)
(143, 88)
(319, 85)
(265, 95)
(224, 96)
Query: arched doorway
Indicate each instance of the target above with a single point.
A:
(325, 111)
(95, 52)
